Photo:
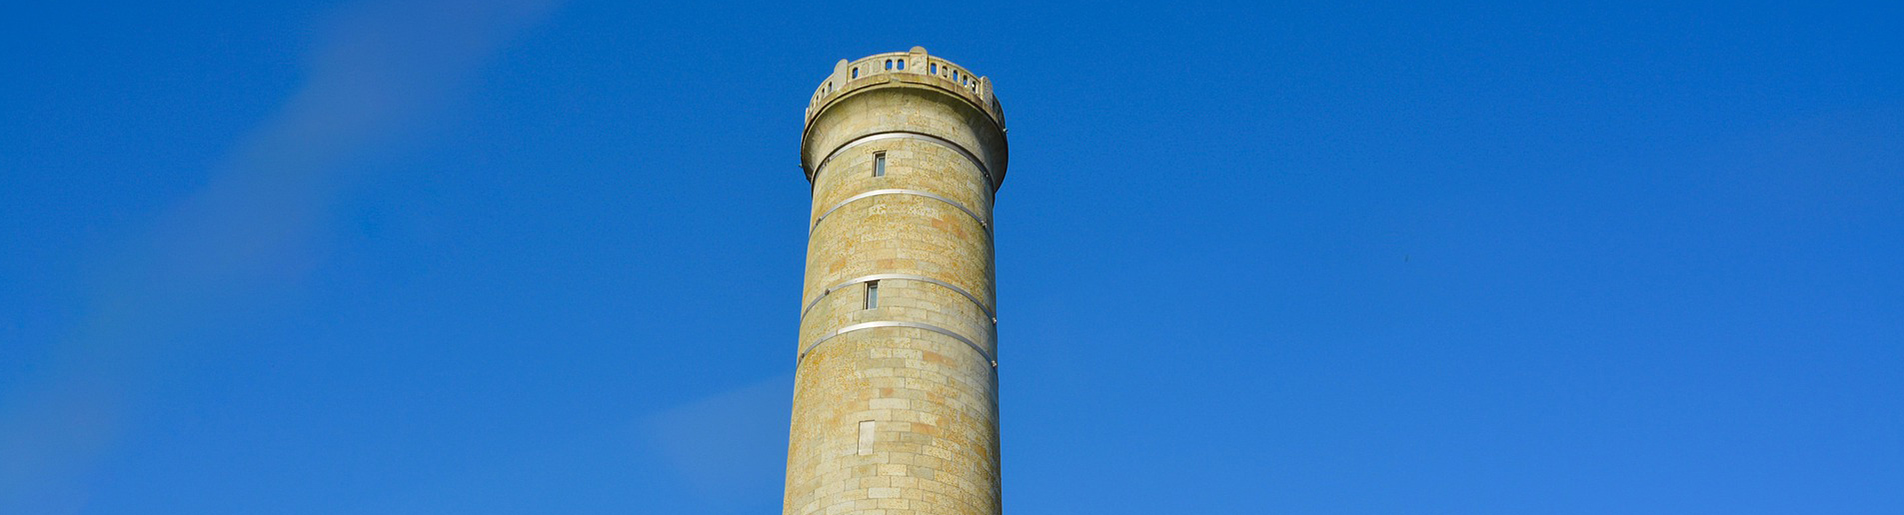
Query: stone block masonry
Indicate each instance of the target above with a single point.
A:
(895, 407)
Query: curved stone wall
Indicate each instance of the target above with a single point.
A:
(895, 402)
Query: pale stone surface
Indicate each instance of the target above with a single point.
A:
(932, 446)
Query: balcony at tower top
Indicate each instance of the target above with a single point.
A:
(912, 67)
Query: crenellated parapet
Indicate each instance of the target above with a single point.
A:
(915, 68)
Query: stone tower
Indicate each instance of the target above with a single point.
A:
(895, 403)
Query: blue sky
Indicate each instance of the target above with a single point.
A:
(536, 256)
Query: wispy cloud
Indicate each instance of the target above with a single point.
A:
(729, 447)
(378, 74)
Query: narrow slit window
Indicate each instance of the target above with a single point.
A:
(879, 164)
(856, 73)
(872, 294)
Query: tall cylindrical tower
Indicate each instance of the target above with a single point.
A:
(895, 406)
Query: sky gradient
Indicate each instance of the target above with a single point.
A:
(541, 256)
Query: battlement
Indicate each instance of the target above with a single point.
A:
(912, 67)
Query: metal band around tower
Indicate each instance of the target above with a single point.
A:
(926, 194)
(893, 323)
(907, 277)
(928, 138)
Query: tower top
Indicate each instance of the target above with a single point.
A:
(863, 98)
(912, 68)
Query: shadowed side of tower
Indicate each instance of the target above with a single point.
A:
(895, 406)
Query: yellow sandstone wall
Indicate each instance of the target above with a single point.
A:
(895, 408)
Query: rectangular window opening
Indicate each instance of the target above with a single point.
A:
(879, 164)
(872, 294)
(865, 437)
